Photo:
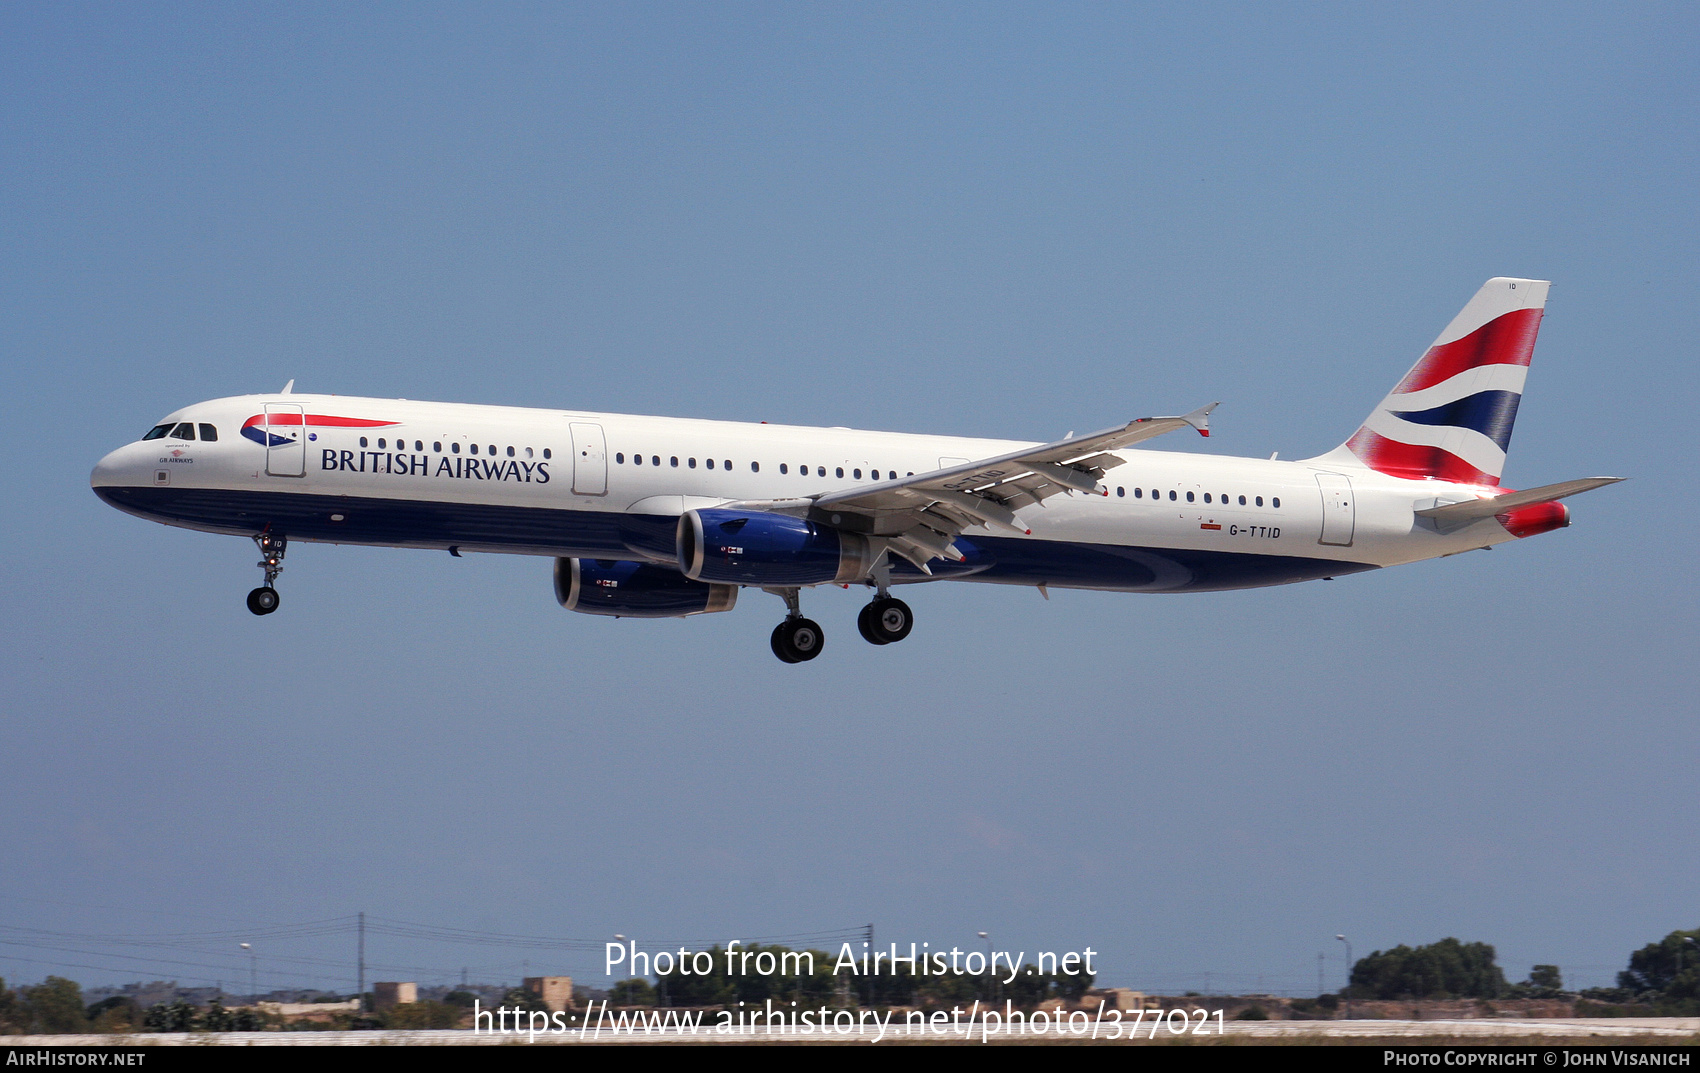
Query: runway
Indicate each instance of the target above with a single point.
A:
(1568, 1031)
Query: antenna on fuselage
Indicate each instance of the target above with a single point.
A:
(288, 388)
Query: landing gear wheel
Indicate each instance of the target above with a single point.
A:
(867, 627)
(263, 600)
(798, 640)
(779, 645)
(886, 620)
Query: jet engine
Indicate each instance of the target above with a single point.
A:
(636, 590)
(762, 548)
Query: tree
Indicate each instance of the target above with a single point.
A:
(1546, 977)
(425, 1014)
(1670, 967)
(633, 992)
(56, 1006)
(14, 1015)
(116, 1014)
(1446, 969)
(217, 1018)
(174, 1016)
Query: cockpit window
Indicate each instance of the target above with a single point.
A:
(184, 431)
(209, 433)
(157, 432)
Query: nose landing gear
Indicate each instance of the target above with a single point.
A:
(797, 639)
(264, 600)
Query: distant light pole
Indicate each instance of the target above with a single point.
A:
(989, 969)
(621, 938)
(253, 987)
(1348, 988)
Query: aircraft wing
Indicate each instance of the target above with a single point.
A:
(920, 517)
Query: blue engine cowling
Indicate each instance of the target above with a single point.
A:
(754, 547)
(636, 590)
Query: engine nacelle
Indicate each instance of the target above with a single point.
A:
(636, 590)
(754, 547)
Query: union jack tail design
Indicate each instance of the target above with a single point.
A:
(1451, 417)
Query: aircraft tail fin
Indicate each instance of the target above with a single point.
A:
(1451, 416)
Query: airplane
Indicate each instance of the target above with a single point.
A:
(658, 517)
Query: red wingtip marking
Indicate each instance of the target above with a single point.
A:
(1204, 432)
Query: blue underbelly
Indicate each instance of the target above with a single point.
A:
(609, 535)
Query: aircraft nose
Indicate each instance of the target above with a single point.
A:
(120, 467)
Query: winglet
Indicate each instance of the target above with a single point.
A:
(289, 388)
(1200, 418)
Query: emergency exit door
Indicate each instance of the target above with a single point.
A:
(590, 460)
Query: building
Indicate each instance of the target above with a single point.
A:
(555, 992)
(385, 995)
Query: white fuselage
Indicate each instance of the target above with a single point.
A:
(569, 483)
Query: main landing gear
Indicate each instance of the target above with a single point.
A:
(797, 639)
(885, 620)
(264, 600)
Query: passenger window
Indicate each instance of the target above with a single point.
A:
(783, 468)
(363, 441)
(841, 471)
(711, 463)
(1206, 496)
(1120, 492)
(1275, 502)
(528, 452)
(473, 448)
(857, 473)
(455, 447)
(1171, 495)
(1139, 493)
(619, 458)
(208, 433)
(726, 464)
(185, 431)
(419, 445)
(691, 463)
(1260, 501)
(547, 453)
(755, 467)
(637, 460)
(1242, 501)
(1189, 497)
(820, 471)
(675, 461)
(490, 450)
(510, 452)
(655, 460)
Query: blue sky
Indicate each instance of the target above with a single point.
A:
(1000, 220)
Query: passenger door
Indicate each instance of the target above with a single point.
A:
(286, 440)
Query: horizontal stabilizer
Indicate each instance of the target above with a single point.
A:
(1476, 509)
